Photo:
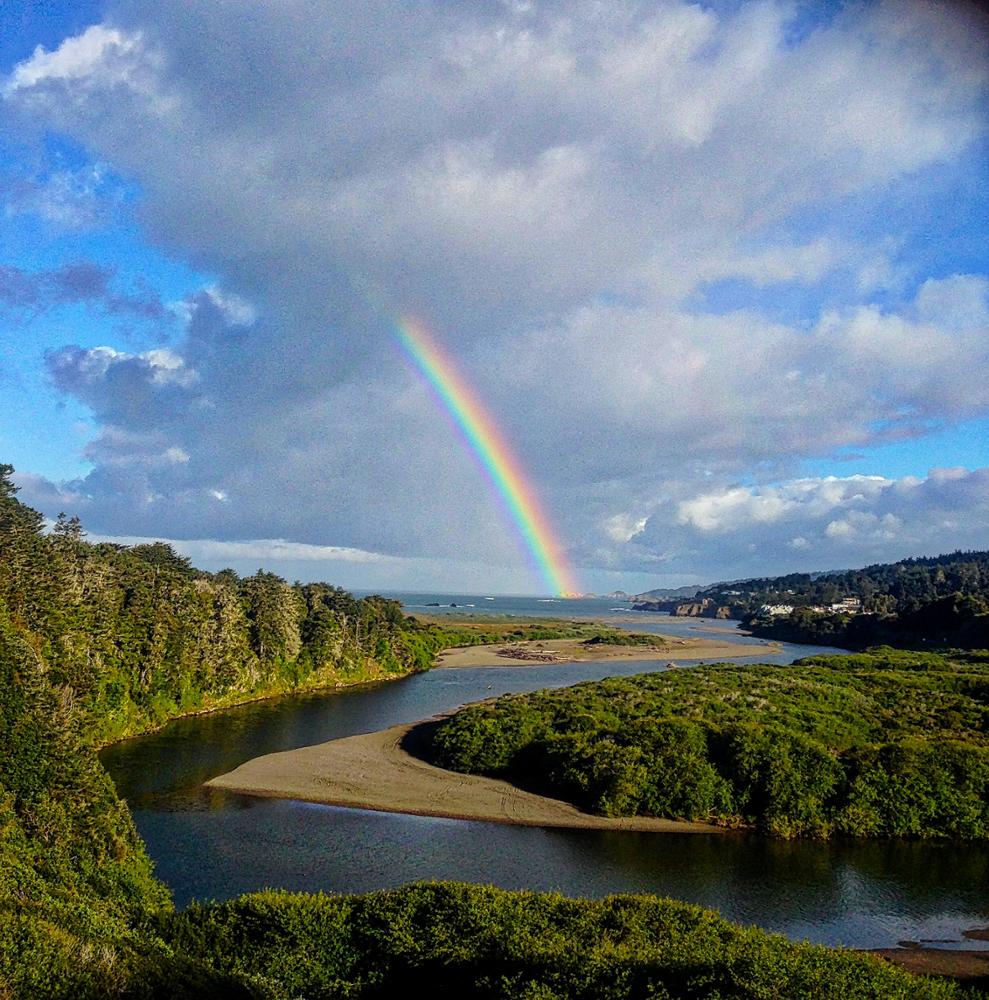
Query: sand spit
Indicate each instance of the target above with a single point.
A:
(536, 652)
(376, 771)
(968, 967)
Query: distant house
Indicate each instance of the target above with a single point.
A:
(847, 606)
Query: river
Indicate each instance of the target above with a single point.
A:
(215, 845)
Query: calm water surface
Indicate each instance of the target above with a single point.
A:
(214, 845)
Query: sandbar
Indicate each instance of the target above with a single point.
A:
(375, 771)
(969, 967)
(538, 652)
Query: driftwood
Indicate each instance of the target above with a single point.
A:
(522, 653)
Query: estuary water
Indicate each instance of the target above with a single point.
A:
(214, 845)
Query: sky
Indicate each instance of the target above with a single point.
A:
(717, 272)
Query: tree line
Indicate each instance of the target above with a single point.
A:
(900, 588)
(138, 635)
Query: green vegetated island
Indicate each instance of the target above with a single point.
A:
(885, 743)
(101, 641)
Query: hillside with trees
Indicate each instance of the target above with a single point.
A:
(137, 636)
(925, 602)
(884, 588)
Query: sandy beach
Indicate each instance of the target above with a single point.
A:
(533, 653)
(969, 967)
(374, 771)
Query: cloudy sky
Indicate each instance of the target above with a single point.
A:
(719, 271)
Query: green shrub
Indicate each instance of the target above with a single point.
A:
(475, 941)
(884, 743)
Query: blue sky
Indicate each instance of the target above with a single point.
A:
(719, 272)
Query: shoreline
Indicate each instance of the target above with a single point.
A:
(381, 772)
(229, 700)
(377, 771)
(965, 966)
(540, 652)
(263, 694)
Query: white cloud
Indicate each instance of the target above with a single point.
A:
(839, 529)
(831, 522)
(90, 372)
(101, 60)
(623, 527)
(235, 310)
(732, 509)
(66, 199)
(355, 568)
(260, 550)
(650, 136)
(87, 55)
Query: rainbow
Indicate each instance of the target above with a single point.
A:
(482, 436)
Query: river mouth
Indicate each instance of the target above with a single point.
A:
(216, 845)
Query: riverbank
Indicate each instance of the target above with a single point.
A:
(377, 771)
(328, 679)
(527, 653)
(971, 968)
(536, 652)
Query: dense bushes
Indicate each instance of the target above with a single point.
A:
(917, 788)
(474, 941)
(74, 877)
(889, 743)
(461, 941)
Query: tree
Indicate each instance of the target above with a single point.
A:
(273, 613)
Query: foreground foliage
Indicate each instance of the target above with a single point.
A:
(886, 743)
(475, 941)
